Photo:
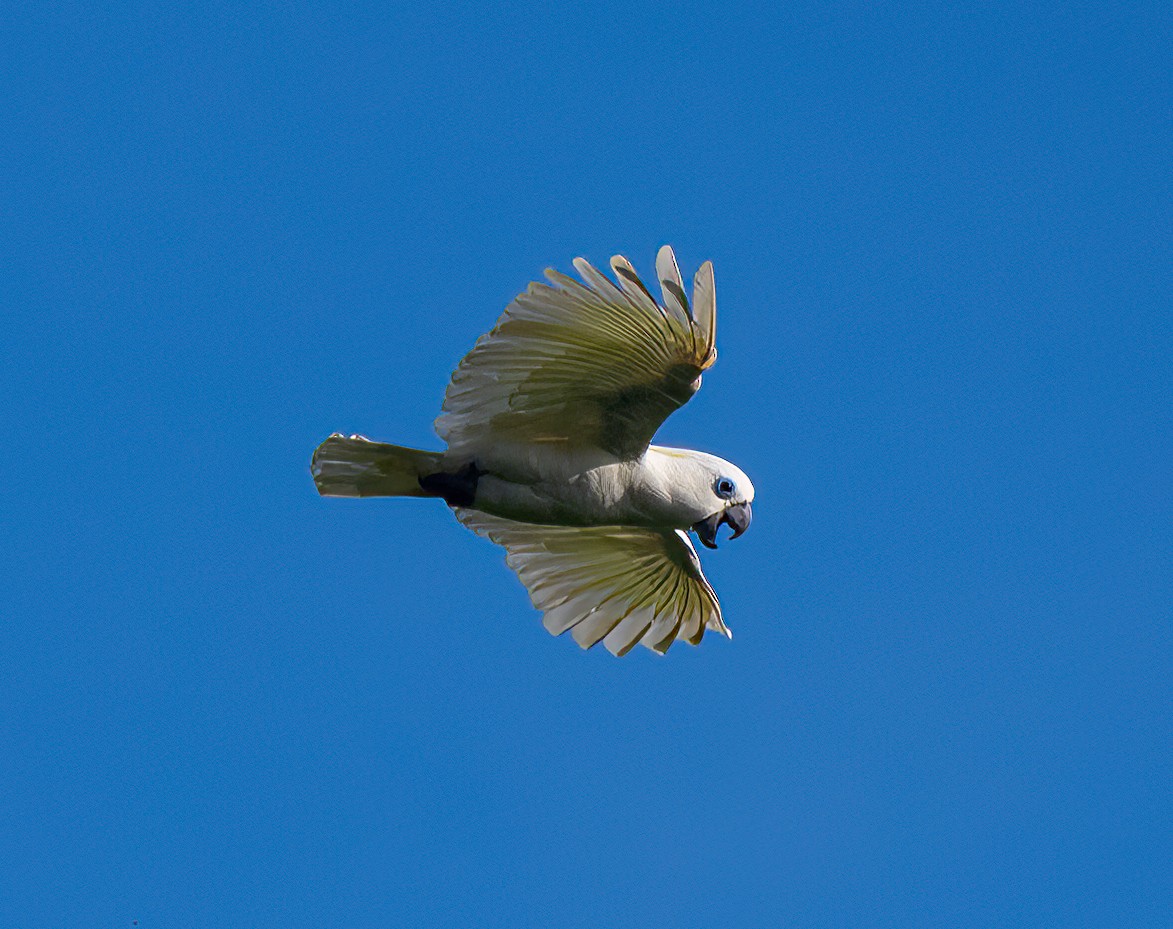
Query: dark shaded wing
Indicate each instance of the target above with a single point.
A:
(600, 364)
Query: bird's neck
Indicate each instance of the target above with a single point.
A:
(665, 485)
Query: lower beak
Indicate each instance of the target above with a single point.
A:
(736, 517)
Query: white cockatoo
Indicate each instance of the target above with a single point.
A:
(548, 422)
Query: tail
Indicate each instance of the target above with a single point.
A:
(354, 466)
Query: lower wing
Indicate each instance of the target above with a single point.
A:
(615, 584)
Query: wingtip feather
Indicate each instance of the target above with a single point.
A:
(631, 284)
(672, 284)
(704, 303)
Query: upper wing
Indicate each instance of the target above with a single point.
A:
(612, 583)
(598, 364)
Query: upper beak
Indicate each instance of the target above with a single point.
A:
(736, 517)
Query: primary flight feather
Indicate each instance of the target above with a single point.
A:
(548, 422)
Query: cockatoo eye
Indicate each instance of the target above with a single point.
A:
(724, 488)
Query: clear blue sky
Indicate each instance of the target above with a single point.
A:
(942, 241)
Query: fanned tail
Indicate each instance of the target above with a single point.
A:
(354, 466)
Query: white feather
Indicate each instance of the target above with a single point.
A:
(616, 584)
(672, 285)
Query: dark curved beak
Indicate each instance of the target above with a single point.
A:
(736, 517)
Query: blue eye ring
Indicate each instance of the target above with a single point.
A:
(724, 488)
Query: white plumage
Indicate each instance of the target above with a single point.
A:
(548, 422)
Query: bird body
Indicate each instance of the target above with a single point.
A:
(655, 490)
(548, 422)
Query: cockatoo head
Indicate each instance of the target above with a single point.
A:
(711, 491)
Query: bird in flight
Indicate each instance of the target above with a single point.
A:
(549, 421)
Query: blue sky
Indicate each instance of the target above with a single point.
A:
(942, 247)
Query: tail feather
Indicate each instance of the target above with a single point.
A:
(354, 466)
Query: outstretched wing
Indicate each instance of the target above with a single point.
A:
(597, 364)
(614, 584)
